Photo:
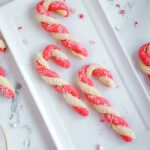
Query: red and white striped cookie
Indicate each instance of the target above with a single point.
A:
(69, 93)
(2, 46)
(6, 87)
(144, 55)
(57, 30)
(102, 105)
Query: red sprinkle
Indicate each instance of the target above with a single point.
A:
(135, 23)
(118, 5)
(122, 12)
(20, 28)
(81, 16)
(73, 10)
(102, 120)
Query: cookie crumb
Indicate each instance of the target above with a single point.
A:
(102, 120)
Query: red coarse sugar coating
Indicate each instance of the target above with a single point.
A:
(71, 90)
(47, 54)
(97, 100)
(40, 9)
(144, 56)
(116, 120)
(75, 46)
(2, 49)
(65, 89)
(56, 6)
(44, 71)
(93, 99)
(97, 72)
(54, 28)
(83, 77)
(70, 44)
(2, 72)
(102, 72)
(5, 91)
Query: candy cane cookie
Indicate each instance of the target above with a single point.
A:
(2, 46)
(144, 55)
(68, 92)
(6, 87)
(102, 105)
(57, 30)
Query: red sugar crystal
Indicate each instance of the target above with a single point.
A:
(122, 12)
(118, 5)
(81, 16)
(102, 120)
(20, 28)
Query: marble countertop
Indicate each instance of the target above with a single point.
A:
(21, 128)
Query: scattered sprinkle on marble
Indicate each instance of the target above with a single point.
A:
(81, 16)
(102, 120)
(118, 5)
(135, 23)
(20, 28)
(122, 12)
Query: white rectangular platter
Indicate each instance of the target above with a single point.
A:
(68, 130)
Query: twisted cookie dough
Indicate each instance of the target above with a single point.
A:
(2, 46)
(6, 87)
(57, 30)
(144, 55)
(69, 93)
(102, 105)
